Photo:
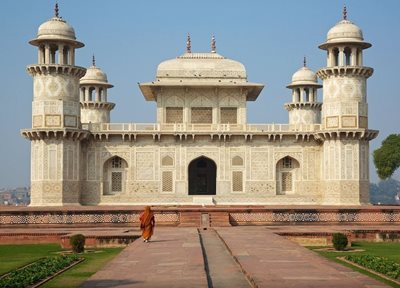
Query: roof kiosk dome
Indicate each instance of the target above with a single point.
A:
(304, 76)
(345, 31)
(94, 75)
(56, 28)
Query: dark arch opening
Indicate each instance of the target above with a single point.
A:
(202, 176)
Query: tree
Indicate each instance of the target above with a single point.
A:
(387, 157)
(385, 192)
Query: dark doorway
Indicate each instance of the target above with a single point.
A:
(202, 176)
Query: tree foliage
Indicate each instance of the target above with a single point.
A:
(385, 192)
(387, 157)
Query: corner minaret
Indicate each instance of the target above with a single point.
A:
(55, 134)
(304, 108)
(93, 95)
(345, 132)
(345, 77)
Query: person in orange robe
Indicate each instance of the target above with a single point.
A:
(147, 223)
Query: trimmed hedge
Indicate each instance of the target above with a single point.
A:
(378, 264)
(77, 242)
(37, 271)
(339, 241)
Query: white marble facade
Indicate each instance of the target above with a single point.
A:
(201, 150)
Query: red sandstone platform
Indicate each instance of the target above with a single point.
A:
(174, 259)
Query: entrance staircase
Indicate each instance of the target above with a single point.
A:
(204, 219)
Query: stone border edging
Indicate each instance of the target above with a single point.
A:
(57, 273)
(369, 270)
(245, 273)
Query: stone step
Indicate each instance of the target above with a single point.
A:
(205, 219)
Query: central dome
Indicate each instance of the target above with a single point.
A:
(198, 66)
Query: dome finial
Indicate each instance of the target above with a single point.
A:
(188, 44)
(344, 12)
(56, 10)
(213, 45)
(93, 61)
(305, 62)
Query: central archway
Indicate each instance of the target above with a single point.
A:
(202, 176)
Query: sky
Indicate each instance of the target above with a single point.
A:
(130, 38)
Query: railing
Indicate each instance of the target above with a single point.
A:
(183, 127)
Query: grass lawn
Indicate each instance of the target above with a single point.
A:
(388, 250)
(79, 273)
(15, 256)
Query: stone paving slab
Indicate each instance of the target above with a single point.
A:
(173, 258)
(273, 261)
(223, 270)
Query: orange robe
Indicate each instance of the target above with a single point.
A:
(147, 223)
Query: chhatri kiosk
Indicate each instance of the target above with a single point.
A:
(201, 150)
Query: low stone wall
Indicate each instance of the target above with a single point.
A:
(366, 215)
(312, 239)
(30, 238)
(376, 235)
(128, 216)
(100, 241)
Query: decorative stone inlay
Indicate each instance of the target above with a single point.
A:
(349, 121)
(53, 120)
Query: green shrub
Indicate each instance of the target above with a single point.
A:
(77, 242)
(339, 241)
(37, 271)
(378, 264)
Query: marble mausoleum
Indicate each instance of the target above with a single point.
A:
(201, 150)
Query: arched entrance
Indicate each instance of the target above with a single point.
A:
(202, 176)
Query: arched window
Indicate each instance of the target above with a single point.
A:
(114, 176)
(167, 161)
(347, 56)
(41, 54)
(286, 175)
(358, 58)
(237, 161)
(306, 95)
(53, 54)
(92, 94)
(66, 55)
(335, 52)
(297, 95)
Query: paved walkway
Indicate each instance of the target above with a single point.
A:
(222, 270)
(174, 258)
(273, 261)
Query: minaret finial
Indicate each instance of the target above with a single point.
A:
(344, 12)
(94, 61)
(188, 44)
(56, 10)
(213, 45)
(305, 62)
